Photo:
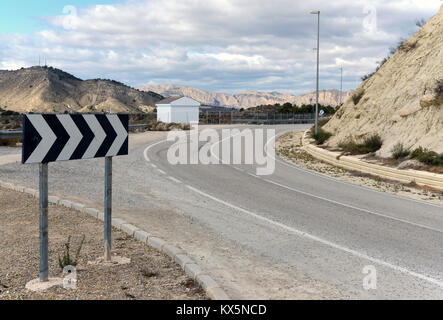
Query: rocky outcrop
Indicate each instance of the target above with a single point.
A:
(248, 99)
(403, 101)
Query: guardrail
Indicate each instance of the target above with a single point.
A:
(10, 134)
(19, 133)
(134, 127)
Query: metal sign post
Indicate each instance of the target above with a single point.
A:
(44, 237)
(108, 208)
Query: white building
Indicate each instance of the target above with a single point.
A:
(178, 110)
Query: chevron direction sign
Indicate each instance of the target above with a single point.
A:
(62, 137)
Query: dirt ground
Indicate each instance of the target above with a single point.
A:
(288, 147)
(151, 275)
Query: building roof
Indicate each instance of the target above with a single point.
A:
(169, 100)
(179, 101)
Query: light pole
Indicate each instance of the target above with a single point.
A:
(317, 12)
(341, 85)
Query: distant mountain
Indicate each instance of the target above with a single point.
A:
(248, 99)
(46, 89)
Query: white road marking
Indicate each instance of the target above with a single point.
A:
(161, 171)
(315, 196)
(148, 148)
(324, 176)
(346, 205)
(174, 179)
(323, 241)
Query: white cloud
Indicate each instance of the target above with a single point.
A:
(220, 44)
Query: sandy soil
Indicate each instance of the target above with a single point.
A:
(151, 275)
(289, 145)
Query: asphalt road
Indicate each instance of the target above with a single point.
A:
(304, 224)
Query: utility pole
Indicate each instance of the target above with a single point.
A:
(317, 12)
(341, 86)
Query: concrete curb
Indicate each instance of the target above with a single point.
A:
(422, 178)
(179, 256)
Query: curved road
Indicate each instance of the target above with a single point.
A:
(286, 232)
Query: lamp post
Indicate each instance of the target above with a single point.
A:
(317, 12)
(341, 85)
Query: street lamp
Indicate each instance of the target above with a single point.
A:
(317, 12)
(341, 85)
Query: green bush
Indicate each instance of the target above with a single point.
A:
(398, 151)
(322, 136)
(67, 260)
(370, 144)
(373, 143)
(427, 157)
(350, 146)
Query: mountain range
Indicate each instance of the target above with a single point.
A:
(46, 89)
(248, 99)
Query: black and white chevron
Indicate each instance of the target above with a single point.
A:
(62, 137)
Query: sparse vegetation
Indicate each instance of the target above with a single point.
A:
(439, 88)
(67, 260)
(427, 157)
(420, 22)
(373, 143)
(380, 64)
(370, 144)
(293, 108)
(399, 151)
(10, 142)
(8, 112)
(154, 125)
(62, 74)
(357, 95)
(322, 136)
(407, 46)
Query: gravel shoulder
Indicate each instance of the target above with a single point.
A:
(289, 148)
(151, 275)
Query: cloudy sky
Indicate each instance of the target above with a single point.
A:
(217, 45)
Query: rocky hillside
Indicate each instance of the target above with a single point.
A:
(45, 89)
(248, 99)
(403, 101)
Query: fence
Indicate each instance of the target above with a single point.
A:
(255, 118)
(11, 126)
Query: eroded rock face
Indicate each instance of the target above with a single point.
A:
(403, 101)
